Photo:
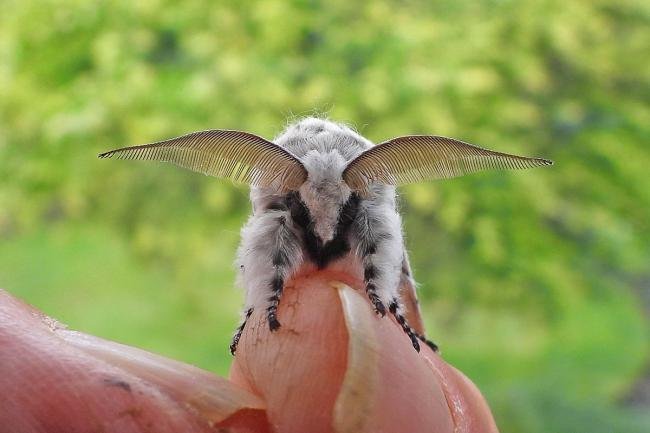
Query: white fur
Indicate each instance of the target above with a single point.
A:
(324, 148)
(261, 235)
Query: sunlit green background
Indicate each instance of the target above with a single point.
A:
(536, 284)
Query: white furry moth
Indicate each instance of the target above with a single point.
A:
(324, 196)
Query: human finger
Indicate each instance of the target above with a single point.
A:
(56, 380)
(335, 366)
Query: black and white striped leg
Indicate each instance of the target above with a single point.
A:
(370, 273)
(396, 311)
(277, 284)
(270, 253)
(426, 341)
(239, 331)
(410, 302)
(283, 258)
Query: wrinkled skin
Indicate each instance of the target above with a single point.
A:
(334, 366)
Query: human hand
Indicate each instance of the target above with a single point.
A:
(333, 366)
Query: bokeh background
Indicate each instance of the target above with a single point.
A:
(536, 284)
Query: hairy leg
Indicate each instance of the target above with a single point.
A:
(385, 264)
(433, 346)
(378, 246)
(269, 247)
(370, 274)
(410, 303)
(239, 330)
(396, 310)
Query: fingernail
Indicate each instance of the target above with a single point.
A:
(356, 400)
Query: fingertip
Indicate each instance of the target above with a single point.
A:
(67, 381)
(468, 408)
(298, 369)
(336, 364)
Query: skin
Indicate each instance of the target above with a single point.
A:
(57, 380)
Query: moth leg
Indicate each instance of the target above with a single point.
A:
(379, 244)
(239, 331)
(286, 254)
(277, 285)
(381, 249)
(369, 274)
(411, 304)
(396, 310)
(433, 346)
(269, 254)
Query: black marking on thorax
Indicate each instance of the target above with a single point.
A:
(323, 253)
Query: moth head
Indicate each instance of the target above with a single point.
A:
(324, 192)
(416, 158)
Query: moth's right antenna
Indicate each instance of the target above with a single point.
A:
(235, 155)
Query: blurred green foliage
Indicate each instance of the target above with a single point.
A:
(533, 282)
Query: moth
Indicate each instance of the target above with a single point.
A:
(323, 196)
